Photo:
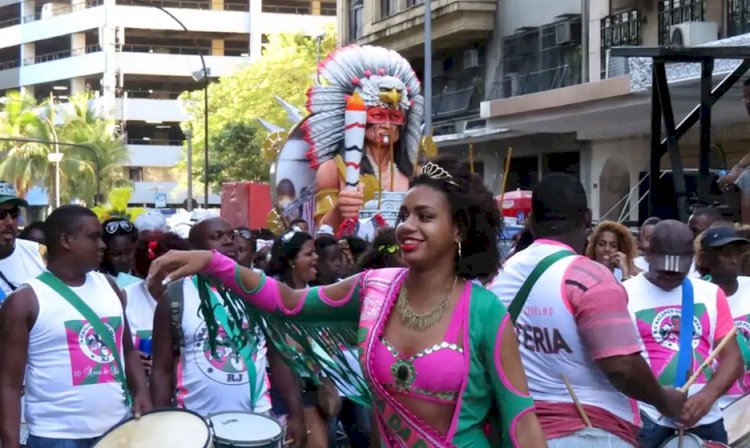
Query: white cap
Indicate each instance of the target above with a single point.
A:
(325, 229)
(151, 220)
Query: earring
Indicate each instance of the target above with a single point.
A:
(459, 249)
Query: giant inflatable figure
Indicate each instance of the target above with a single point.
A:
(352, 156)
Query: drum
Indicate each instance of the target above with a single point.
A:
(737, 422)
(156, 429)
(245, 429)
(691, 441)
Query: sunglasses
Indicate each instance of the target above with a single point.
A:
(112, 227)
(13, 212)
(244, 234)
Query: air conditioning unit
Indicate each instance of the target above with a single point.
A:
(616, 66)
(563, 33)
(471, 58)
(690, 34)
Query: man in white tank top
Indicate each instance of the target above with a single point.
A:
(575, 326)
(203, 383)
(20, 260)
(72, 395)
(656, 305)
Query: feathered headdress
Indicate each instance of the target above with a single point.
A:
(381, 77)
(117, 206)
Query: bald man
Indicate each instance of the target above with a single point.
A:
(236, 381)
(660, 302)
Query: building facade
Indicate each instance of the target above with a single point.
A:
(136, 60)
(536, 76)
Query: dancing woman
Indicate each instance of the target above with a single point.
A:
(438, 352)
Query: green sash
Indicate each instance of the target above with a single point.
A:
(516, 306)
(234, 333)
(96, 323)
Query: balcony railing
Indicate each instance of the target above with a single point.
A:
(154, 141)
(7, 65)
(156, 94)
(158, 49)
(674, 12)
(620, 29)
(738, 17)
(62, 54)
(61, 9)
(186, 4)
(5, 23)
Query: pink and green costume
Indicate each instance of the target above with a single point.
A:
(465, 369)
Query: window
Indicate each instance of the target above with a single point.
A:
(738, 17)
(674, 12)
(620, 29)
(388, 8)
(356, 19)
(135, 174)
(411, 3)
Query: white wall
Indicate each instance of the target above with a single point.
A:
(273, 23)
(143, 17)
(161, 156)
(177, 64)
(84, 65)
(520, 13)
(630, 154)
(61, 25)
(143, 109)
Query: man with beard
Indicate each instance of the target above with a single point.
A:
(658, 296)
(65, 333)
(182, 351)
(20, 260)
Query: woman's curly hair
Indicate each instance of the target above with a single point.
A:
(625, 241)
(474, 211)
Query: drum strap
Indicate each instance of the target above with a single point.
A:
(233, 333)
(685, 355)
(175, 296)
(96, 323)
(516, 306)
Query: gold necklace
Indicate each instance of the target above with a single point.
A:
(421, 322)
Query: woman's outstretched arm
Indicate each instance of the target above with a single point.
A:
(258, 290)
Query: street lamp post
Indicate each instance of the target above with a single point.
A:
(57, 156)
(198, 76)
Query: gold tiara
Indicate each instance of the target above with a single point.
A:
(436, 172)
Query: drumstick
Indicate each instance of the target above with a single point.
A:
(579, 407)
(709, 360)
(680, 437)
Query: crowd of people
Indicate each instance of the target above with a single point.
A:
(581, 336)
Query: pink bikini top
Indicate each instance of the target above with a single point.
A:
(435, 373)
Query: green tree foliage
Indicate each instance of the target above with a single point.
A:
(286, 69)
(26, 164)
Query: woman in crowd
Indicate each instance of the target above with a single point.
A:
(438, 352)
(141, 305)
(612, 245)
(244, 239)
(119, 236)
(294, 263)
(384, 252)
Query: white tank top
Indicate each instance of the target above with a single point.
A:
(26, 262)
(657, 316)
(548, 337)
(739, 304)
(206, 385)
(70, 392)
(140, 311)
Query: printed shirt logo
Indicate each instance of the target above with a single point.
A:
(91, 361)
(228, 367)
(660, 330)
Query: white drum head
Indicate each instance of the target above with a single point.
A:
(172, 428)
(245, 428)
(688, 441)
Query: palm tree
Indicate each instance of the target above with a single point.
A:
(84, 125)
(27, 164)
